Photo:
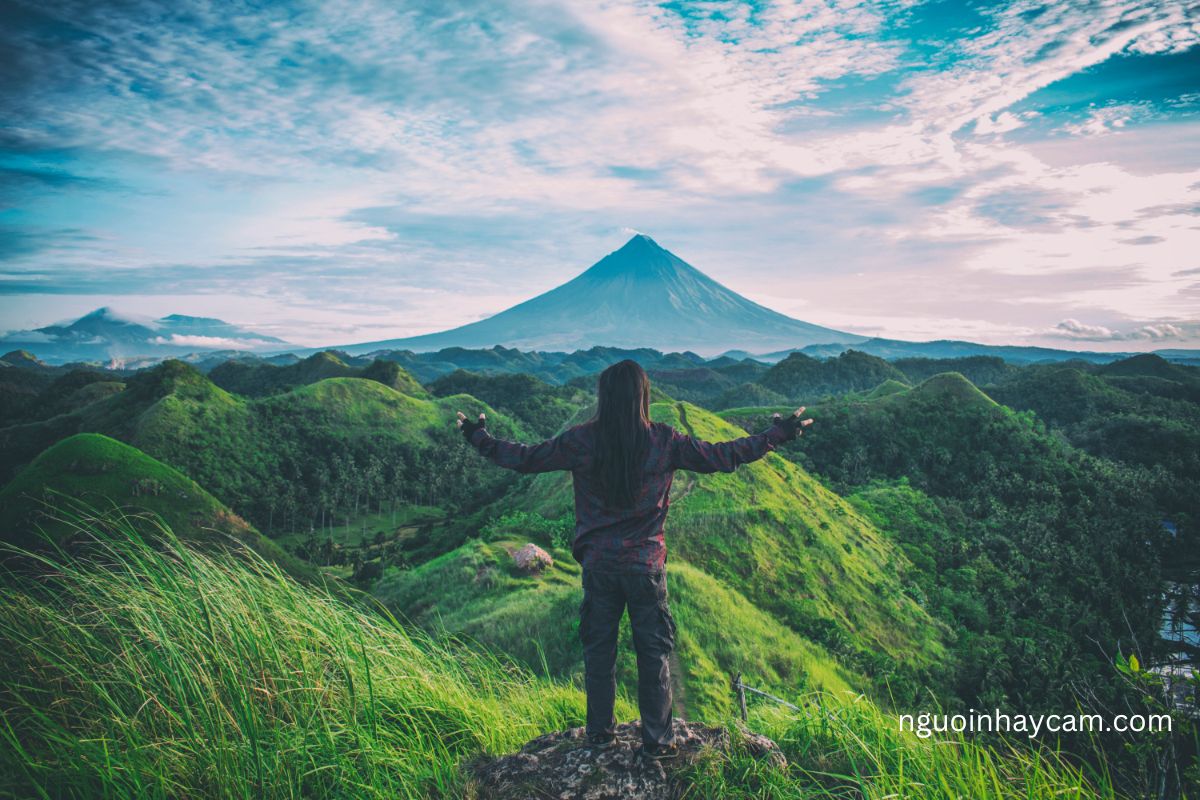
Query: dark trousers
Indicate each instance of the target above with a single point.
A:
(605, 597)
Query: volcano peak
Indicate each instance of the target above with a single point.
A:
(641, 295)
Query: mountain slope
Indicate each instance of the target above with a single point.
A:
(800, 377)
(476, 592)
(1037, 541)
(639, 296)
(105, 334)
(795, 549)
(151, 675)
(256, 378)
(322, 451)
(105, 474)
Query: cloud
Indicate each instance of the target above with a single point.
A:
(1003, 122)
(1113, 118)
(431, 163)
(32, 337)
(1154, 332)
(212, 342)
(1074, 329)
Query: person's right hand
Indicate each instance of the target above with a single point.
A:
(792, 424)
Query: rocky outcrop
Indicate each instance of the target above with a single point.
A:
(563, 765)
(532, 559)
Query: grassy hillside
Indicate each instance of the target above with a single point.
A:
(258, 378)
(190, 675)
(541, 406)
(980, 370)
(1017, 536)
(796, 550)
(886, 388)
(1150, 420)
(106, 474)
(181, 674)
(317, 456)
(803, 378)
(801, 552)
(475, 591)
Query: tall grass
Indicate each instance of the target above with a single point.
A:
(161, 671)
(144, 670)
(846, 747)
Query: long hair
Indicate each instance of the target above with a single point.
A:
(622, 428)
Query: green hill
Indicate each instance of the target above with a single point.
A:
(22, 359)
(888, 387)
(393, 376)
(476, 592)
(210, 675)
(108, 475)
(1032, 539)
(952, 388)
(796, 550)
(799, 551)
(313, 456)
(980, 370)
(1150, 365)
(804, 378)
(260, 378)
(542, 406)
(748, 394)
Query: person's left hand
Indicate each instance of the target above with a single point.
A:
(467, 426)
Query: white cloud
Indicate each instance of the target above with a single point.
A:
(1154, 332)
(1108, 119)
(606, 114)
(32, 337)
(1003, 122)
(1074, 329)
(212, 342)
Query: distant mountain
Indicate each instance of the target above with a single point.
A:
(639, 296)
(109, 336)
(892, 349)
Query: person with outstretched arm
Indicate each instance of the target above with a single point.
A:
(622, 465)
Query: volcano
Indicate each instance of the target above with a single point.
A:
(642, 295)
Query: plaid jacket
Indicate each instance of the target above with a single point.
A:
(625, 540)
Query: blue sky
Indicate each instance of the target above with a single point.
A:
(349, 171)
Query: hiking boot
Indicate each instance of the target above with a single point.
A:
(601, 739)
(659, 752)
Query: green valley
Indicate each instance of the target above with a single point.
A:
(935, 540)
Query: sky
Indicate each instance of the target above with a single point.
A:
(337, 172)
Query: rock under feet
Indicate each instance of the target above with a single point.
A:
(563, 765)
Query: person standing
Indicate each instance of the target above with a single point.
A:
(622, 466)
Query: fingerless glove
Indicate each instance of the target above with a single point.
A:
(790, 425)
(469, 427)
